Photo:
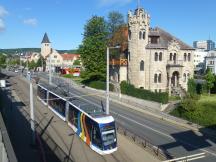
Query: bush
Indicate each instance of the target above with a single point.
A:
(130, 90)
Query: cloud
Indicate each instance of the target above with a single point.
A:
(31, 22)
(2, 25)
(3, 12)
(103, 3)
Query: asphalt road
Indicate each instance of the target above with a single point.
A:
(175, 139)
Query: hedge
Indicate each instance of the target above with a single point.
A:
(130, 90)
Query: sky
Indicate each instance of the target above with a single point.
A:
(24, 22)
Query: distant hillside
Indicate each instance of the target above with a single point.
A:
(24, 50)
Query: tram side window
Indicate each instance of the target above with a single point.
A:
(96, 136)
(57, 104)
(73, 116)
(89, 126)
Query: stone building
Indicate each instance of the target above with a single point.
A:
(46, 48)
(157, 60)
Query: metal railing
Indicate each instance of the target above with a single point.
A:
(6, 150)
(144, 143)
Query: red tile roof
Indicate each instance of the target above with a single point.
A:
(68, 56)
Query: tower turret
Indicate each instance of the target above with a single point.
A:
(138, 29)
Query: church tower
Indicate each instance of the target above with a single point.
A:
(45, 46)
(138, 30)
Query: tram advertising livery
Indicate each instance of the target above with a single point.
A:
(89, 122)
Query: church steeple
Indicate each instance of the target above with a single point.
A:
(45, 46)
(45, 39)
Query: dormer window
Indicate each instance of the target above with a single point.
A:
(154, 40)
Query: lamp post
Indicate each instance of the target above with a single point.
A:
(107, 79)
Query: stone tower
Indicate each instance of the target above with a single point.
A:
(45, 46)
(138, 29)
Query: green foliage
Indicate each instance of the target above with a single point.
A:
(88, 77)
(2, 60)
(93, 48)
(100, 85)
(115, 20)
(191, 88)
(189, 104)
(210, 79)
(204, 113)
(68, 75)
(130, 90)
(32, 65)
(77, 62)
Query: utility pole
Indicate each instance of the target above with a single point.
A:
(107, 83)
(50, 73)
(107, 79)
(32, 112)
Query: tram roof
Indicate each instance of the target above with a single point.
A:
(91, 109)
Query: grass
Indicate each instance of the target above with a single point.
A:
(78, 80)
(204, 114)
(174, 98)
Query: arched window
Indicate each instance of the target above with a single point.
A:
(189, 56)
(160, 56)
(185, 57)
(171, 56)
(159, 78)
(155, 78)
(184, 77)
(142, 65)
(156, 56)
(144, 35)
(174, 57)
(129, 35)
(140, 35)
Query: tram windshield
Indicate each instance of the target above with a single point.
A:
(108, 134)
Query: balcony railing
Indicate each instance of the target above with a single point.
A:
(175, 62)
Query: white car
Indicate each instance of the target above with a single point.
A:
(16, 71)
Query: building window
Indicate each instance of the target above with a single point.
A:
(184, 77)
(128, 56)
(156, 56)
(142, 65)
(155, 78)
(55, 56)
(160, 56)
(170, 56)
(159, 78)
(140, 35)
(189, 56)
(129, 35)
(143, 35)
(174, 57)
(185, 57)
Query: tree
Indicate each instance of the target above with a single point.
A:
(93, 48)
(2, 60)
(77, 62)
(209, 77)
(115, 20)
(191, 88)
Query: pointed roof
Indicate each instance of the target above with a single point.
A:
(45, 39)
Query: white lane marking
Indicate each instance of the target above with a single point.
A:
(159, 132)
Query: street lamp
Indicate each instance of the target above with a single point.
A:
(107, 79)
